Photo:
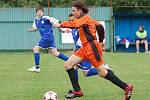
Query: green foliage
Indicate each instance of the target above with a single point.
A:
(120, 6)
(53, 3)
(64, 3)
(131, 6)
(21, 3)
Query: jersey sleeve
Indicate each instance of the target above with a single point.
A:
(34, 25)
(96, 22)
(76, 23)
(54, 20)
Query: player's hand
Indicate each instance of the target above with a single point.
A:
(29, 30)
(57, 25)
(32, 30)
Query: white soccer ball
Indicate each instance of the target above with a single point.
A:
(50, 95)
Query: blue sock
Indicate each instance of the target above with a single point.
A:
(37, 58)
(62, 56)
(92, 71)
(76, 74)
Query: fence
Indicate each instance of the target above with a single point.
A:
(14, 23)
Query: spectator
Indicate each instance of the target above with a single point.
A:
(141, 38)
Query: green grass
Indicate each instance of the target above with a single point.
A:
(16, 83)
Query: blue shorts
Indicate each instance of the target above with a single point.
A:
(46, 43)
(85, 65)
(140, 39)
(77, 47)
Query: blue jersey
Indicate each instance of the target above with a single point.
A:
(45, 25)
(75, 35)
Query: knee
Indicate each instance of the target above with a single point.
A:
(103, 73)
(67, 65)
(137, 42)
(54, 53)
(35, 50)
(145, 42)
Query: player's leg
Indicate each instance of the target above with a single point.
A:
(69, 66)
(87, 69)
(54, 52)
(115, 80)
(109, 75)
(76, 72)
(43, 43)
(137, 46)
(93, 71)
(146, 46)
(36, 51)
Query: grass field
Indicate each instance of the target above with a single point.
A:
(16, 83)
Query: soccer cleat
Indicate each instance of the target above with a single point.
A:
(34, 69)
(128, 91)
(73, 94)
(70, 91)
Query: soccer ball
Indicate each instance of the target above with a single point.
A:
(50, 95)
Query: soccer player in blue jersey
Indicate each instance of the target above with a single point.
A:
(44, 24)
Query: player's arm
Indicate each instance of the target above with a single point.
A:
(75, 23)
(34, 28)
(54, 20)
(96, 22)
(100, 31)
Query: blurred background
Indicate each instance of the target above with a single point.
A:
(121, 18)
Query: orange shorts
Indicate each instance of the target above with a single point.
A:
(86, 52)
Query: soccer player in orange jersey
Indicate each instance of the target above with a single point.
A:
(90, 50)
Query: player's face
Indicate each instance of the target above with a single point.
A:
(39, 13)
(141, 29)
(76, 12)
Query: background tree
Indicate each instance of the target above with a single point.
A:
(119, 6)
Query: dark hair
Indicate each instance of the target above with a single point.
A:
(141, 27)
(39, 8)
(70, 15)
(80, 5)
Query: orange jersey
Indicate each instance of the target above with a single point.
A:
(86, 52)
(86, 27)
(91, 48)
(96, 22)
